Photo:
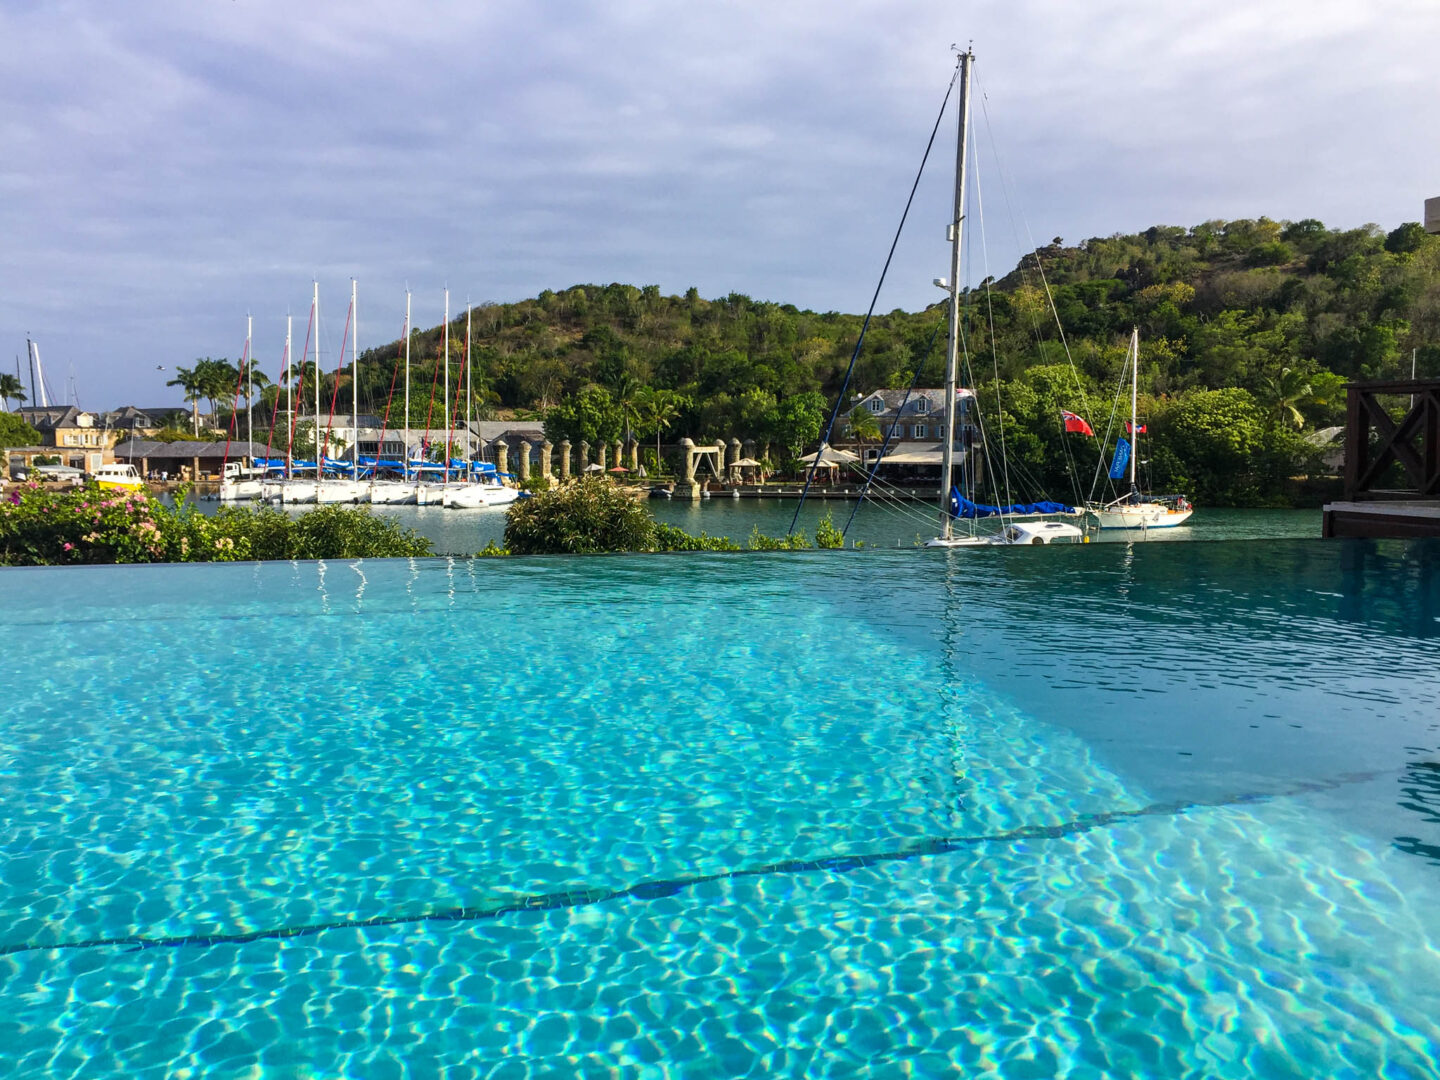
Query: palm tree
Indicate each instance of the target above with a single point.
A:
(656, 410)
(10, 388)
(1285, 393)
(192, 381)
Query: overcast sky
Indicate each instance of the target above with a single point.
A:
(170, 165)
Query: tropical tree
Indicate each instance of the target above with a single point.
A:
(657, 410)
(193, 382)
(1283, 394)
(10, 388)
(15, 432)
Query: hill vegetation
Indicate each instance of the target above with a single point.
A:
(1249, 329)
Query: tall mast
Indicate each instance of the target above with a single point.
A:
(249, 385)
(354, 385)
(448, 419)
(467, 380)
(952, 353)
(315, 319)
(406, 440)
(1134, 394)
(289, 396)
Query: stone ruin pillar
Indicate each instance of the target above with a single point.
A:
(547, 448)
(583, 459)
(564, 460)
(502, 455)
(687, 488)
(524, 460)
(600, 457)
(632, 450)
(732, 469)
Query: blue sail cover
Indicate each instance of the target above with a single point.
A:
(1121, 459)
(961, 507)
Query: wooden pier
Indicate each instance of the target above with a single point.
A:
(1392, 461)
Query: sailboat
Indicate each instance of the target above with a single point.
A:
(484, 486)
(338, 488)
(954, 504)
(396, 492)
(1135, 510)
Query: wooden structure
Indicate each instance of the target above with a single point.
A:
(1392, 461)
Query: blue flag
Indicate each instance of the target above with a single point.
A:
(1121, 459)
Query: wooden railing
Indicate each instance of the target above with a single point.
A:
(1375, 441)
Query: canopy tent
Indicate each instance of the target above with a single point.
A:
(918, 454)
(594, 466)
(828, 455)
(746, 463)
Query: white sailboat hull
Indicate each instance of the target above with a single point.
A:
(471, 496)
(392, 493)
(241, 490)
(1147, 516)
(342, 491)
(297, 492)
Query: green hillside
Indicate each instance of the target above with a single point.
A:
(1248, 329)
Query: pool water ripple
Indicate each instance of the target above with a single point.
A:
(702, 797)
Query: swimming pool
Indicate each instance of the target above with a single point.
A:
(1119, 810)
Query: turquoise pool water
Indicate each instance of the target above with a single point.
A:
(1118, 810)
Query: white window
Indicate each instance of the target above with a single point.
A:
(877, 405)
(923, 405)
(919, 431)
(939, 431)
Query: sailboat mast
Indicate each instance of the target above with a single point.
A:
(448, 421)
(289, 396)
(1134, 395)
(468, 417)
(249, 386)
(952, 352)
(315, 320)
(354, 385)
(406, 440)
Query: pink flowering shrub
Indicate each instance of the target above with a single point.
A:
(40, 527)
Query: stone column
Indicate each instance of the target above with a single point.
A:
(619, 454)
(502, 455)
(600, 449)
(583, 459)
(633, 452)
(524, 460)
(564, 460)
(732, 470)
(547, 448)
(687, 488)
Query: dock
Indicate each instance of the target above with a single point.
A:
(1392, 462)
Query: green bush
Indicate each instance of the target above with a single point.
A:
(90, 525)
(760, 542)
(827, 535)
(586, 516)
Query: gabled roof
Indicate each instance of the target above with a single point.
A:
(934, 402)
(43, 417)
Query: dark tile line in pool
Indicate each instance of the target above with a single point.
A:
(654, 890)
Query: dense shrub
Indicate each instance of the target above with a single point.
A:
(591, 515)
(39, 527)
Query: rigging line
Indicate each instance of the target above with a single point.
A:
(275, 412)
(890, 435)
(1109, 427)
(385, 421)
(860, 341)
(990, 322)
(300, 399)
(235, 405)
(1030, 236)
(335, 394)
